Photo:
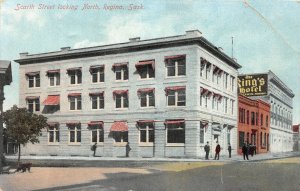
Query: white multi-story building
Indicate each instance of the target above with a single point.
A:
(166, 96)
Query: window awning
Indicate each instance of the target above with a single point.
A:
(73, 123)
(169, 122)
(96, 93)
(74, 69)
(53, 71)
(145, 90)
(175, 57)
(120, 126)
(51, 124)
(74, 94)
(218, 96)
(174, 88)
(203, 91)
(32, 97)
(119, 64)
(93, 123)
(145, 121)
(117, 92)
(52, 100)
(146, 62)
(32, 73)
(96, 67)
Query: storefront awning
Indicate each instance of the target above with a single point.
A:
(74, 94)
(175, 57)
(93, 123)
(53, 71)
(120, 126)
(32, 73)
(169, 122)
(52, 100)
(96, 93)
(117, 92)
(32, 97)
(145, 90)
(146, 62)
(119, 64)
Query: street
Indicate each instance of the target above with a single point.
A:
(280, 174)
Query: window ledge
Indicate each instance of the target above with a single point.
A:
(175, 144)
(146, 144)
(119, 144)
(121, 109)
(121, 81)
(53, 144)
(98, 143)
(74, 144)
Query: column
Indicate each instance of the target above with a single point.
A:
(159, 140)
(192, 138)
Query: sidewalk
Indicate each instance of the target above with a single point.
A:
(69, 161)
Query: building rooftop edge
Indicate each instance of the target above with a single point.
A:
(281, 83)
(191, 35)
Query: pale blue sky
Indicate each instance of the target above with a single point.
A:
(266, 33)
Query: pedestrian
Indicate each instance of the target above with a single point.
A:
(217, 150)
(94, 148)
(245, 151)
(206, 149)
(251, 149)
(229, 150)
(127, 149)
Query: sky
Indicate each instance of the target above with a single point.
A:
(266, 33)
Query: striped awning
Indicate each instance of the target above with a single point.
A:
(52, 100)
(120, 126)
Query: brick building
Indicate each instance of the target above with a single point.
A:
(254, 124)
(296, 137)
(165, 96)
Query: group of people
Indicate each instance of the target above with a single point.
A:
(247, 149)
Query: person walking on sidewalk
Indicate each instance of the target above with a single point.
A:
(245, 151)
(127, 149)
(94, 148)
(217, 150)
(206, 149)
(229, 150)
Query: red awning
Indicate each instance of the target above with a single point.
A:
(145, 121)
(145, 62)
(52, 123)
(52, 100)
(174, 122)
(74, 69)
(96, 93)
(175, 88)
(119, 126)
(32, 97)
(175, 57)
(119, 64)
(117, 92)
(73, 123)
(32, 73)
(53, 71)
(91, 123)
(74, 94)
(145, 90)
(203, 91)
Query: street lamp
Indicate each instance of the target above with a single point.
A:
(5, 79)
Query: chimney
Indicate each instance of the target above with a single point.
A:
(193, 33)
(135, 39)
(23, 54)
(65, 49)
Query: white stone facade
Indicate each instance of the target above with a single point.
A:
(218, 119)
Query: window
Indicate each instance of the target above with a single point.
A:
(175, 131)
(121, 71)
(203, 125)
(74, 133)
(120, 137)
(97, 132)
(119, 131)
(232, 83)
(248, 117)
(241, 139)
(54, 77)
(232, 106)
(146, 132)
(75, 75)
(121, 98)
(256, 118)
(176, 96)
(146, 69)
(267, 121)
(97, 73)
(252, 118)
(97, 100)
(226, 80)
(175, 65)
(33, 104)
(53, 133)
(33, 79)
(261, 119)
(75, 101)
(147, 99)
